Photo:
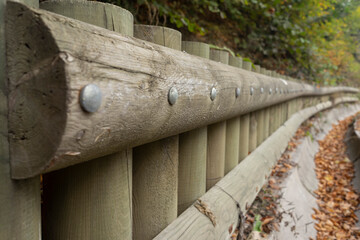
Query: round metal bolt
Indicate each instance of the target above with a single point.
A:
(173, 95)
(262, 90)
(276, 90)
(213, 93)
(251, 90)
(90, 98)
(270, 91)
(237, 92)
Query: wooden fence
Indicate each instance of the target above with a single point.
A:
(134, 133)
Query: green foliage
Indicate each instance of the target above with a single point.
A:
(257, 223)
(309, 134)
(310, 39)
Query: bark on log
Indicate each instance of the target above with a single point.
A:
(49, 130)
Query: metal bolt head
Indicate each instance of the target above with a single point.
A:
(270, 91)
(276, 90)
(173, 95)
(251, 90)
(237, 92)
(261, 90)
(213, 94)
(90, 98)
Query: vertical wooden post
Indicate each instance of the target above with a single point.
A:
(266, 123)
(155, 184)
(259, 118)
(20, 216)
(192, 149)
(91, 200)
(244, 136)
(215, 164)
(253, 131)
(232, 131)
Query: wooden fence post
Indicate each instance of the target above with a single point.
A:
(192, 149)
(20, 215)
(155, 184)
(244, 136)
(252, 140)
(232, 130)
(215, 164)
(91, 200)
(259, 117)
(266, 111)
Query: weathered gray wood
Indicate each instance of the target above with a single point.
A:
(134, 77)
(193, 224)
(152, 216)
(215, 162)
(160, 35)
(267, 123)
(20, 214)
(216, 142)
(100, 14)
(196, 48)
(192, 150)
(247, 65)
(232, 130)
(95, 199)
(253, 131)
(155, 188)
(260, 127)
(220, 56)
(244, 136)
(232, 143)
(235, 61)
(192, 167)
(90, 200)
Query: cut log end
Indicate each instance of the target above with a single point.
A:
(37, 104)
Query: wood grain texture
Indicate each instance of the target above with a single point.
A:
(260, 127)
(156, 194)
(155, 187)
(244, 136)
(134, 77)
(235, 61)
(253, 131)
(160, 35)
(215, 162)
(266, 123)
(99, 14)
(232, 143)
(196, 48)
(216, 142)
(20, 214)
(236, 186)
(95, 198)
(192, 167)
(90, 200)
(192, 150)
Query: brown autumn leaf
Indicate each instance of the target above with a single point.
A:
(336, 198)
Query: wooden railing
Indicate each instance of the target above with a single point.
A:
(132, 129)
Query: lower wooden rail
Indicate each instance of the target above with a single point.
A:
(229, 198)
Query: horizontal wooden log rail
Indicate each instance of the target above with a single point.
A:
(56, 57)
(229, 199)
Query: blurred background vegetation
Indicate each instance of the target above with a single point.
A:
(313, 40)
